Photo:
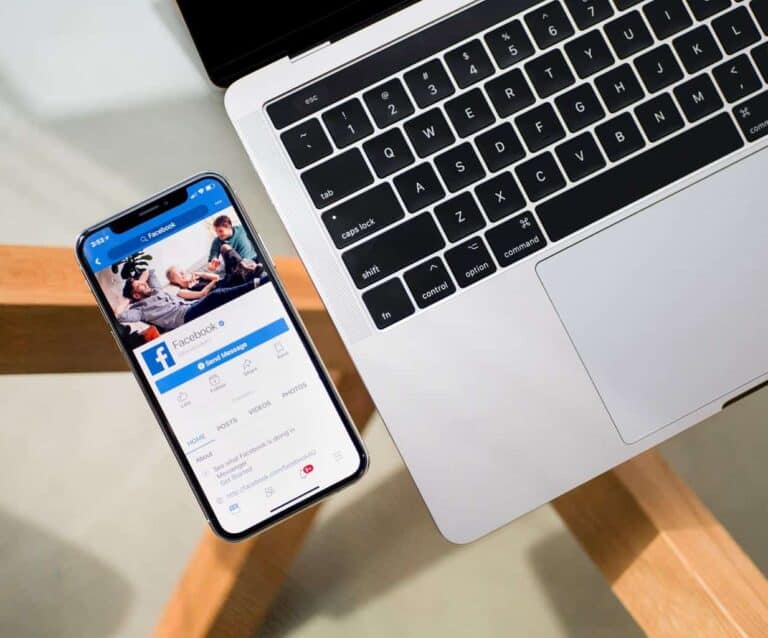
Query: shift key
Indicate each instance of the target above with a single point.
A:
(393, 249)
(752, 116)
(338, 177)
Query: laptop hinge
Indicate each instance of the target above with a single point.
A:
(308, 52)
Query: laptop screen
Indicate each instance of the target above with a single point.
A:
(235, 38)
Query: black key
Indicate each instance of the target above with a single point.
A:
(579, 107)
(638, 177)
(510, 92)
(540, 176)
(540, 127)
(658, 68)
(388, 303)
(703, 9)
(620, 137)
(628, 34)
(396, 248)
(619, 87)
(419, 187)
(429, 282)
(752, 116)
(499, 147)
(500, 196)
(469, 112)
(429, 132)
(388, 152)
(589, 12)
(347, 123)
(697, 49)
(735, 30)
(470, 262)
(698, 97)
(589, 53)
(760, 56)
(626, 4)
(736, 78)
(459, 167)
(388, 103)
(760, 9)
(515, 239)
(362, 215)
(667, 17)
(429, 83)
(580, 156)
(509, 44)
(549, 73)
(306, 143)
(659, 117)
(459, 217)
(549, 24)
(469, 63)
(338, 177)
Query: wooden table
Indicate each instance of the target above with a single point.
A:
(665, 556)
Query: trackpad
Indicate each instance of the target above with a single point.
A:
(668, 309)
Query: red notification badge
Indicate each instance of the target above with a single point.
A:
(307, 469)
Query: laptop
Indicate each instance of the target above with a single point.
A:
(540, 226)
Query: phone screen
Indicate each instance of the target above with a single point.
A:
(244, 402)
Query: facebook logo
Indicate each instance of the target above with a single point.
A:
(158, 358)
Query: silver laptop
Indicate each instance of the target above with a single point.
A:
(540, 227)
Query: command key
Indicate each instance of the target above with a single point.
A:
(752, 116)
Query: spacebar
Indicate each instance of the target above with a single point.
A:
(640, 176)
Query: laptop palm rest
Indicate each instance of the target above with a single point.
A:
(668, 309)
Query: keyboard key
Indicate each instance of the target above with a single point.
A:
(459, 217)
(639, 176)
(499, 147)
(659, 117)
(736, 78)
(628, 34)
(626, 4)
(752, 116)
(396, 248)
(347, 123)
(338, 177)
(459, 167)
(587, 13)
(760, 9)
(589, 53)
(549, 24)
(540, 176)
(510, 93)
(429, 132)
(509, 44)
(362, 215)
(698, 97)
(429, 282)
(667, 17)
(306, 143)
(697, 49)
(388, 153)
(580, 156)
(515, 239)
(703, 9)
(388, 103)
(735, 30)
(620, 137)
(619, 87)
(469, 63)
(388, 303)
(469, 112)
(500, 196)
(470, 262)
(760, 56)
(419, 187)
(429, 83)
(658, 68)
(549, 73)
(540, 127)
(579, 107)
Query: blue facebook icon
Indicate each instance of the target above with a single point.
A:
(158, 358)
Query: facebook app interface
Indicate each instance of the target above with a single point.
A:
(247, 406)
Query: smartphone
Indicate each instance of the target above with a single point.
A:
(193, 300)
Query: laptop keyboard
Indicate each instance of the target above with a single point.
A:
(478, 141)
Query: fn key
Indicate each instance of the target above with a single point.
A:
(388, 303)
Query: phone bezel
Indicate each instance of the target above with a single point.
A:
(144, 383)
